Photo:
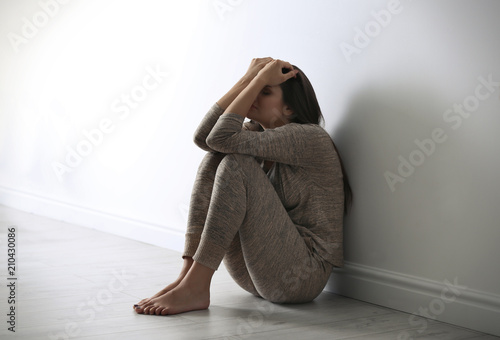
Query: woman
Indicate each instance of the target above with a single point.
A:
(268, 198)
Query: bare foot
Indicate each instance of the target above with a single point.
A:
(147, 302)
(188, 262)
(179, 300)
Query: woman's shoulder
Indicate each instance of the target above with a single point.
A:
(310, 132)
(315, 139)
(307, 126)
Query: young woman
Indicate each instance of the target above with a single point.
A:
(269, 196)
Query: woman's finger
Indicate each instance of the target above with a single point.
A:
(290, 74)
(266, 60)
(286, 64)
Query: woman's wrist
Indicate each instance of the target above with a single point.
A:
(242, 103)
(258, 82)
(228, 98)
(245, 80)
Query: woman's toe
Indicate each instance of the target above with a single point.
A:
(152, 310)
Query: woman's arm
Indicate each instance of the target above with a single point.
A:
(270, 74)
(296, 144)
(256, 65)
(306, 145)
(228, 98)
(205, 126)
(222, 104)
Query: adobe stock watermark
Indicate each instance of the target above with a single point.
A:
(436, 307)
(88, 309)
(222, 7)
(31, 26)
(363, 37)
(427, 147)
(124, 105)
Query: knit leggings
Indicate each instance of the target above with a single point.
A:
(235, 214)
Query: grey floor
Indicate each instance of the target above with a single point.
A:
(78, 283)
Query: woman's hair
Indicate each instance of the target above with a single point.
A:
(299, 95)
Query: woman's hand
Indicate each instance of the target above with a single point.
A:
(272, 73)
(255, 66)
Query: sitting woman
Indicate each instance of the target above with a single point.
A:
(269, 196)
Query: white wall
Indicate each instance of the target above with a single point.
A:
(73, 69)
(438, 221)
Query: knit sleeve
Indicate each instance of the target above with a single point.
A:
(294, 144)
(206, 125)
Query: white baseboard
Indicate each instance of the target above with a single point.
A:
(442, 301)
(133, 229)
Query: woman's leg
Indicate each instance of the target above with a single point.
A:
(198, 210)
(199, 203)
(237, 268)
(279, 262)
(268, 257)
(193, 292)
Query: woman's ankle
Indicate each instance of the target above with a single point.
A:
(186, 266)
(198, 277)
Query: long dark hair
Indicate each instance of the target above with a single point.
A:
(299, 95)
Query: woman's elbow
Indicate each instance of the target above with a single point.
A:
(215, 143)
(201, 143)
(211, 141)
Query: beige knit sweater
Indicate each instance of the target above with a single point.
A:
(306, 174)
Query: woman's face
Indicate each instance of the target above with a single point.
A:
(268, 108)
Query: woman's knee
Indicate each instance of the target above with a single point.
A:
(239, 162)
(209, 164)
(211, 160)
